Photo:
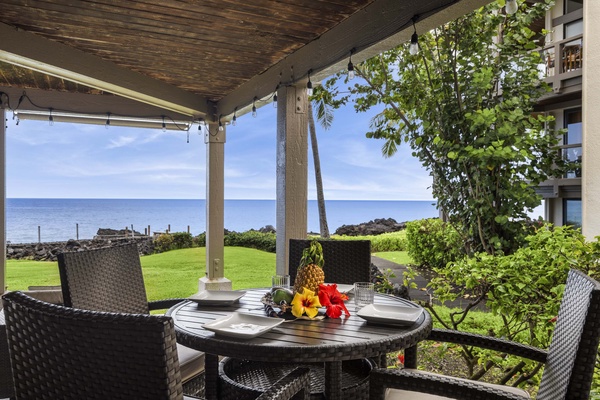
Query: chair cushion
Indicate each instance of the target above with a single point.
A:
(191, 362)
(397, 394)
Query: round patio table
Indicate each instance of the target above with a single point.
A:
(328, 341)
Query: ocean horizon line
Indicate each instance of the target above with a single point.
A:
(164, 198)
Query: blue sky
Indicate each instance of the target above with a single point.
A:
(90, 161)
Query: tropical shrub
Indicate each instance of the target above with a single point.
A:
(523, 288)
(164, 242)
(393, 241)
(252, 239)
(182, 240)
(200, 240)
(431, 243)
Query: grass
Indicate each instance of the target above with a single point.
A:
(166, 275)
(399, 257)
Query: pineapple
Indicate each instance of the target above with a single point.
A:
(310, 272)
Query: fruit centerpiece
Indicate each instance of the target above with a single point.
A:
(310, 271)
(310, 292)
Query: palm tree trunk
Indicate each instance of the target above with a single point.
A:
(319, 181)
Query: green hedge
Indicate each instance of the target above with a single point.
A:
(431, 243)
(395, 241)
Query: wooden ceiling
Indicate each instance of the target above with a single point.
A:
(208, 56)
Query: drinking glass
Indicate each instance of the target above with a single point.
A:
(282, 281)
(364, 293)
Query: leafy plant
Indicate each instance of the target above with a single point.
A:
(182, 240)
(164, 242)
(464, 104)
(524, 289)
(433, 243)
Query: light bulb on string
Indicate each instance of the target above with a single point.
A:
(351, 73)
(164, 126)
(51, 118)
(188, 137)
(234, 119)
(414, 39)
(221, 128)
(107, 124)
(511, 7)
(275, 97)
(309, 86)
(254, 107)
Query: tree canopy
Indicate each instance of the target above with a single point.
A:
(464, 104)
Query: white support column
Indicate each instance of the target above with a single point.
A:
(292, 169)
(590, 180)
(3, 285)
(215, 204)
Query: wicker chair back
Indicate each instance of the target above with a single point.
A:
(65, 353)
(573, 350)
(346, 261)
(108, 279)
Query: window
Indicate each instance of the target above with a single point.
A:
(572, 212)
(572, 5)
(572, 140)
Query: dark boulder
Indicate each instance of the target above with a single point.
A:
(374, 227)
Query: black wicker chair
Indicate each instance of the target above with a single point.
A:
(66, 353)
(569, 362)
(110, 279)
(346, 261)
(49, 294)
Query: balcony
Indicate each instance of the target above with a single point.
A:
(563, 65)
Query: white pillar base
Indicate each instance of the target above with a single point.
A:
(213, 284)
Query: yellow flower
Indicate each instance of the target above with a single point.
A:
(305, 302)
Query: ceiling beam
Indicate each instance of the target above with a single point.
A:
(49, 57)
(84, 103)
(377, 28)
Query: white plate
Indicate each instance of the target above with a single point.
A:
(343, 288)
(243, 326)
(217, 297)
(390, 315)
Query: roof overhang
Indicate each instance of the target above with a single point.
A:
(110, 58)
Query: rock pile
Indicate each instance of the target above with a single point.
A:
(375, 227)
(49, 250)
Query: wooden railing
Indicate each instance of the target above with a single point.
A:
(569, 63)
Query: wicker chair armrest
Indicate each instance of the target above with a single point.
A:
(287, 387)
(380, 379)
(163, 304)
(490, 343)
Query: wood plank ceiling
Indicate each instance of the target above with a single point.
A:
(210, 48)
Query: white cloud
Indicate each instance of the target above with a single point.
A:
(121, 141)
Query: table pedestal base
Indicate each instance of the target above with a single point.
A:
(242, 379)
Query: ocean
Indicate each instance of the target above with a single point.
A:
(64, 219)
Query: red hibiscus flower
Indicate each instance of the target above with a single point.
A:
(333, 300)
(401, 358)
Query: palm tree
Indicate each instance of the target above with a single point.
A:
(325, 117)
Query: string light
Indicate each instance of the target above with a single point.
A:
(106, 125)
(234, 119)
(309, 86)
(414, 40)
(164, 126)
(50, 118)
(351, 73)
(511, 7)
(221, 129)
(275, 96)
(254, 107)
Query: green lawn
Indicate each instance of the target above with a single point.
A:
(167, 275)
(400, 257)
